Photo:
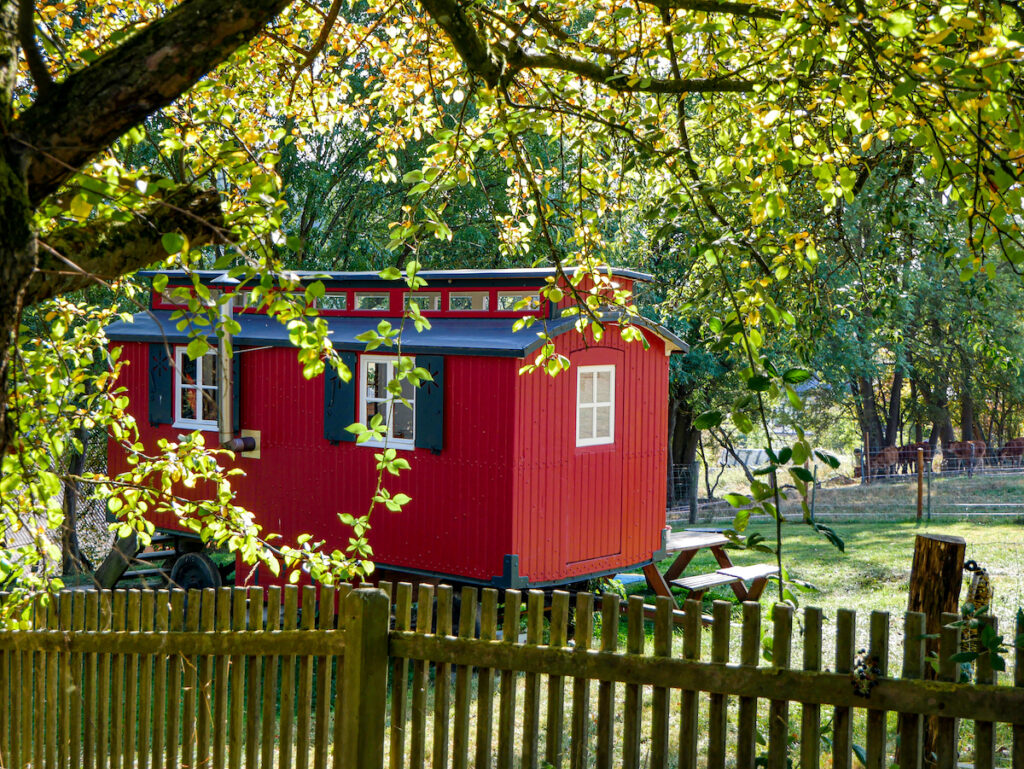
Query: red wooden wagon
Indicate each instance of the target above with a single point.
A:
(517, 480)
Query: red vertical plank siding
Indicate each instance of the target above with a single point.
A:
(581, 510)
(510, 479)
(459, 519)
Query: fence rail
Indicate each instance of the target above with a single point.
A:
(242, 677)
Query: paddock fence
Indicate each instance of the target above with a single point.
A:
(368, 678)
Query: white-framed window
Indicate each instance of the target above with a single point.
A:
(595, 405)
(507, 301)
(427, 301)
(195, 390)
(372, 301)
(469, 301)
(375, 371)
(334, 301)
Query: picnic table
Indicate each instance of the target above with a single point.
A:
(686, 544)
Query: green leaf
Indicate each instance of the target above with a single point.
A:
(173, 242)
(391, 273)
(80, 206)
(743, 422)
(900, 25)
(197, 348)
(796, 375)
(707, 420)
(964, 657)
(861, 754)
(802, 473)
(759, 383)
(830, 534)
(737, 500)
(827, 458)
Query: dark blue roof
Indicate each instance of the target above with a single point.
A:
(451, 336)
(435, 278)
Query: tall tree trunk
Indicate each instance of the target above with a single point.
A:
(17, 240)
(938, 412)
(73, 560)
(966, 404)
(918, 429)
(892, 422)
(870, 421)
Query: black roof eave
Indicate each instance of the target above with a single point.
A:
(434, 278)
(448, 335)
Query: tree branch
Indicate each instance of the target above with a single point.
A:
(472, 49)
(519, 60)
(498, 65)
(711, 6)
(29, 46)
(78, 118)
(75, 257)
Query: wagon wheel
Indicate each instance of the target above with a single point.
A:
(195, 571)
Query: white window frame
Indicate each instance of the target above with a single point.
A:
(209, 358)
(516, 297)
(330, 297)
(365, 361)
(593, 406)
(374, 295)
(421, 298)
(485, 295)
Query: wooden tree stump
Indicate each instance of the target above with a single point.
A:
(935, 581)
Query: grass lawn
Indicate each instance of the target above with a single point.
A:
(873, 573)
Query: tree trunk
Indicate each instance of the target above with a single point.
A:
(73, 560)
(892, 422)
(935, 580)
(864, 393)
(685, 442)
(966, 406)
(918, 429)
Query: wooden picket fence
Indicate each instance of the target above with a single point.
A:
(363, 678)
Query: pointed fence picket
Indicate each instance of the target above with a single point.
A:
(299, 678)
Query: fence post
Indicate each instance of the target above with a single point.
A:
(866, 472)
(693, 492)
(365, 678)
(920, 482)
(929, 492)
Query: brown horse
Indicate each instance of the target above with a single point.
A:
(967, 454)
(908, 456)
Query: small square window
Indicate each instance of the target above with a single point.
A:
(427, 301)
(595, 405)
(338, 301)
(507, 301)
(195, 390)
(375, 372)
(372, 301)
(469, 301)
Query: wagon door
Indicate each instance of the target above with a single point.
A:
(594, 528)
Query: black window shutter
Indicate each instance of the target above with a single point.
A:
(236, 391)
(340, 401)
(161, 386)
(430, 405)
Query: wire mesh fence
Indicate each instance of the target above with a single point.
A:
(949, 486)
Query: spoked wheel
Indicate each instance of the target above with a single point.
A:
(195, 571)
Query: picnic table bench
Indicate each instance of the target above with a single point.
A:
(686, 544)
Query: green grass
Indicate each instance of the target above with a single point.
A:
(873, 573)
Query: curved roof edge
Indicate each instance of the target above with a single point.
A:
(531, 274)
(454, 336)
(673, 343)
